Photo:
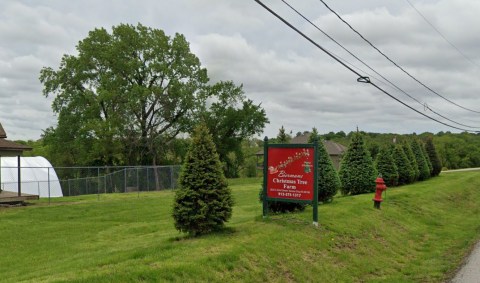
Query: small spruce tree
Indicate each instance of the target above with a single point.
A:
(386, 167)
(314, 135)
(406, 174)
(357, 171)
(328, 181)
(427, 158)
(421, 161)
(411, 158)
(432, 154)
(204, 202)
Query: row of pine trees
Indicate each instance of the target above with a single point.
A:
(398, 164)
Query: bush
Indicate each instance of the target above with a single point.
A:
(204, 202)
(357, 172)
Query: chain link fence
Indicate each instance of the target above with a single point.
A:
(74, 181)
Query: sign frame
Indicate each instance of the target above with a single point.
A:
(266, 198)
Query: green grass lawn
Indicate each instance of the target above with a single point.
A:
(421, 234)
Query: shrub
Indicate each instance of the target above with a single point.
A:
(357, 172)
(204, 202)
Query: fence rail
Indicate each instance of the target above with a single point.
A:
(73, 181)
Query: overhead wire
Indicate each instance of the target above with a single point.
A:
(443, 36)
(360, 78)
(393, 62)
(369, 67)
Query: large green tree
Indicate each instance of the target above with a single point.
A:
(357, 172)
(204, 202)
(232, 118)
(411, 158)
(133, 88)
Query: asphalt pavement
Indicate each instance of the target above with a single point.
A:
(470, 271)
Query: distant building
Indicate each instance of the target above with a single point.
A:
(334, 150)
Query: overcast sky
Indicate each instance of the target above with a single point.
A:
(298, 85)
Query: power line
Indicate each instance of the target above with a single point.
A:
(360, 78)
(443, 36)
(373, 70)
(394, 63)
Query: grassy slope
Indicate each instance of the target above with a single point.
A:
(421, 234)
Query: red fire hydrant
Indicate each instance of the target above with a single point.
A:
(378, 192)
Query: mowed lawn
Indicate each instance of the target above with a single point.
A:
(421, 234)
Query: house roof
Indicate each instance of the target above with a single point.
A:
(3, 135)
(331, 147)
(9, 147)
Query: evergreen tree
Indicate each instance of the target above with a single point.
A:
(282, 137)
(357, 172)
(429, 163)
(328, 181)
(314, 135)
(432, 154)
(204, 201)
(386, 166)
(406, 174)
(411, 158)
(421, 161)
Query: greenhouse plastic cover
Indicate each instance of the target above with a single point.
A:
(34, 176)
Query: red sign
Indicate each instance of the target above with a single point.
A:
(290, 173)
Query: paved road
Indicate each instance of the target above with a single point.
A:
(470, 272)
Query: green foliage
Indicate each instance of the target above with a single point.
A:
(204, 201)
(433, 156)
(411, 158)
(314, 135)
(406, 174)
(427, 158)
(282, 136)
(357, 172)
(386, 167)
(232, 118)
(421, 161)
(328, 181)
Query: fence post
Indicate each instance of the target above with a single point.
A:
(171, 178)
(125, 180)
(98, 183)
(148, 181)
(48, 171)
